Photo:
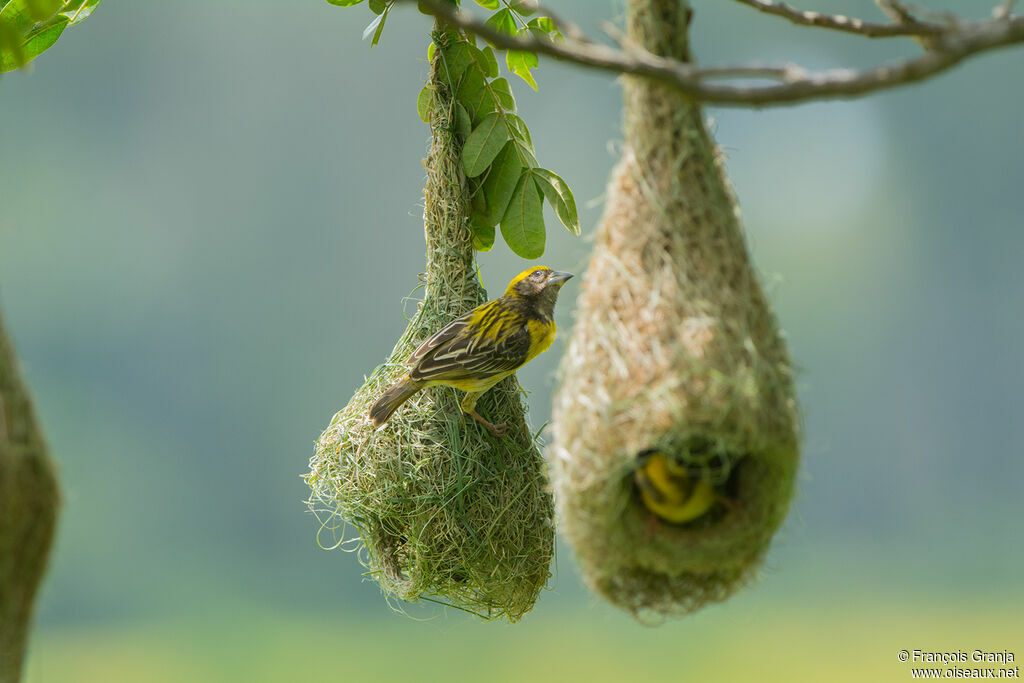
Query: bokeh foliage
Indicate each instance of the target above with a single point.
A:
(30, 27)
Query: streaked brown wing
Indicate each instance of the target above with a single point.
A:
(445, 335)
(458, 357)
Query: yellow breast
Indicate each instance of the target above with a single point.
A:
(542, 335)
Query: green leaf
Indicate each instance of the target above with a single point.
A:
(344, 3)
(10, 47)
(30, 27)
(423, 104)
(456, 58)
(526, 155)
(503, 22)
(489, 4)
(522, 226)
(17, 17)
(503, 91)
(524, 7)
(521, 135)
(474, 94)
(463, 121)
(483, 144)
(489, 62)
(377, 25)
(560, 198)
(378, 6)
(478, 203)
(483, 234)
(374, 26)
(430, 51)
(424, 9)
(520, 62)
(33, 44)
(545, 24)
(519, 131)
(380, 27)
(538, 34)
(77, 12)
(501, 182)
(23, 15)
(42, 37)
(19, 14)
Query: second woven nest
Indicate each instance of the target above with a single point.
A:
(676, 350)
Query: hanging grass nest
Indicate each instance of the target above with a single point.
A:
(674, 350)
(444, 511)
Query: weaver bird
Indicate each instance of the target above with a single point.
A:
(483, 347)
(670, 491)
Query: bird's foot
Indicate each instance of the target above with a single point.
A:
(496, 430)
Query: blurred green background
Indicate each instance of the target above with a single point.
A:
(210, 215)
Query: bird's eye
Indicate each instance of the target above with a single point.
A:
(537, 274)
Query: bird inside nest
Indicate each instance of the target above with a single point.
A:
(679, 493)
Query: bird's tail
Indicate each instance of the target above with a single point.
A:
(388, 403)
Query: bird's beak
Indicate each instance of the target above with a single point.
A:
(558, 277)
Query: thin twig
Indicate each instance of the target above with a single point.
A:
(906, 26)
(901, 13)
(967, 40)
(786, 73)
(921, 13)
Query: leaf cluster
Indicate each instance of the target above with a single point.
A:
(510, 18)
(29, 27)
(507, 185)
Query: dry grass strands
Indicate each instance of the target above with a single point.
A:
(675, 349)
(444, 511)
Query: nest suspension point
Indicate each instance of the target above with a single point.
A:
(444, 511)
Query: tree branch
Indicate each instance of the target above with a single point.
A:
(905, 26)
(797, 85)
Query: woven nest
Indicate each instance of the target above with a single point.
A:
(444, 511)
(675, 349)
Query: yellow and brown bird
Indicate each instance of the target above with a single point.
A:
(670, 491)
(483, 347)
